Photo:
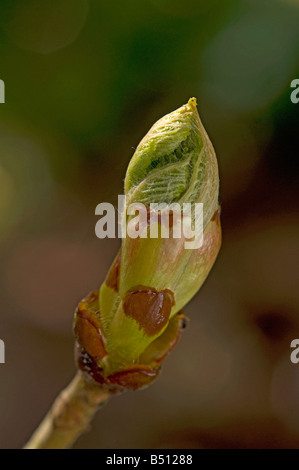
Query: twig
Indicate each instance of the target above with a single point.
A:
(69, 416)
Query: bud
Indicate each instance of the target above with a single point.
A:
(124, 333)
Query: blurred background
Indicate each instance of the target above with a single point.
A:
(85, 80)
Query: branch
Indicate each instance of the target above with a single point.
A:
(69, 416)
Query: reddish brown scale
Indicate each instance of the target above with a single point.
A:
(88, 365)
(216, 216)
(113, 275)
(134, 378)
(92, 297)
(88, 333)
(149, 308)
(130, 378)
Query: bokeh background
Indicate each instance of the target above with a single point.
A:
(84, 82)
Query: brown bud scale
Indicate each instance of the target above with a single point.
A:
(149, 308)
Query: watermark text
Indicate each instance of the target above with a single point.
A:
(158, 220)
(2, 91)
(295, 93)
(295, 353)
(2, 352)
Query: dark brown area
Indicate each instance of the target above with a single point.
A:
(149, 308)
(274, 325)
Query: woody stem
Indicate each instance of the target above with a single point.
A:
(69, 415)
